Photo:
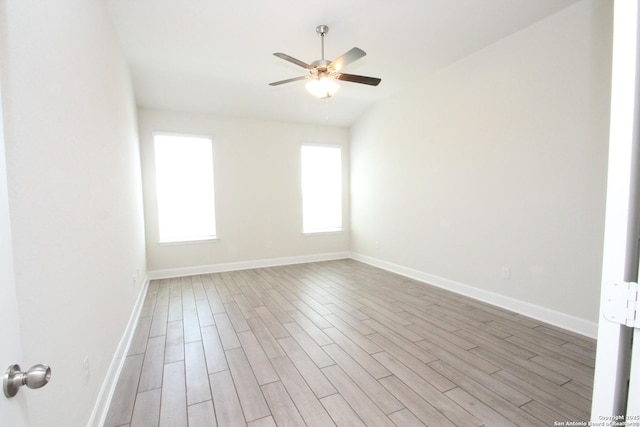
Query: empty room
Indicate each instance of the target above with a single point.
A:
(350, 213)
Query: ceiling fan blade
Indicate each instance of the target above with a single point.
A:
(295, 79)
(346, 59)
(293, 60)
(372, 81)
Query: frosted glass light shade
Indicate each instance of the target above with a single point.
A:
(323, 87)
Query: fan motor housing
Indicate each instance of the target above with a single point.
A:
(321, 64)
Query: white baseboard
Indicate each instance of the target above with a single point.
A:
(556, 318)
(99, 414)
(245, 265)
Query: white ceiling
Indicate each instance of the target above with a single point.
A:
(214, 56)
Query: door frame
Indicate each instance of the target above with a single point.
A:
(620, 252)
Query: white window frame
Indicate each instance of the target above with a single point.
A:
(209, 203)
(337, 228)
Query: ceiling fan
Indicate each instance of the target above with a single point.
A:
(323, 73)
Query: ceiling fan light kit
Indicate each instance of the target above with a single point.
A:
(323, 73)
(322, 88)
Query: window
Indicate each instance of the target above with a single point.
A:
(321, 188)
(184, 185)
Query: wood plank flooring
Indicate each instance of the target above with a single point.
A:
(346, 344)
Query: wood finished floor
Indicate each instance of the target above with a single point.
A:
(342, 343)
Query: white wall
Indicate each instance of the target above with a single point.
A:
(257, 186)
(497, 161)
(74, 193)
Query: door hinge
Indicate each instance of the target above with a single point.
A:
(622, 304)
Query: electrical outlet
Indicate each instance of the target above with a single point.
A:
(85, 368)
(506, 273)
(135, 277)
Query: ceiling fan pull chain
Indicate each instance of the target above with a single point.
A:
(326, 110)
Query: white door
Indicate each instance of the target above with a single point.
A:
(13, 412)
(616, 387)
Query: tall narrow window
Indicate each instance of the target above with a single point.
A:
(184, 185)
(321, 188)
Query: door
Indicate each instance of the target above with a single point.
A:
(616, 384)
(13, 412)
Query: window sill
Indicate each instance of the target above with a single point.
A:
(323, 232)
(194, 240)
